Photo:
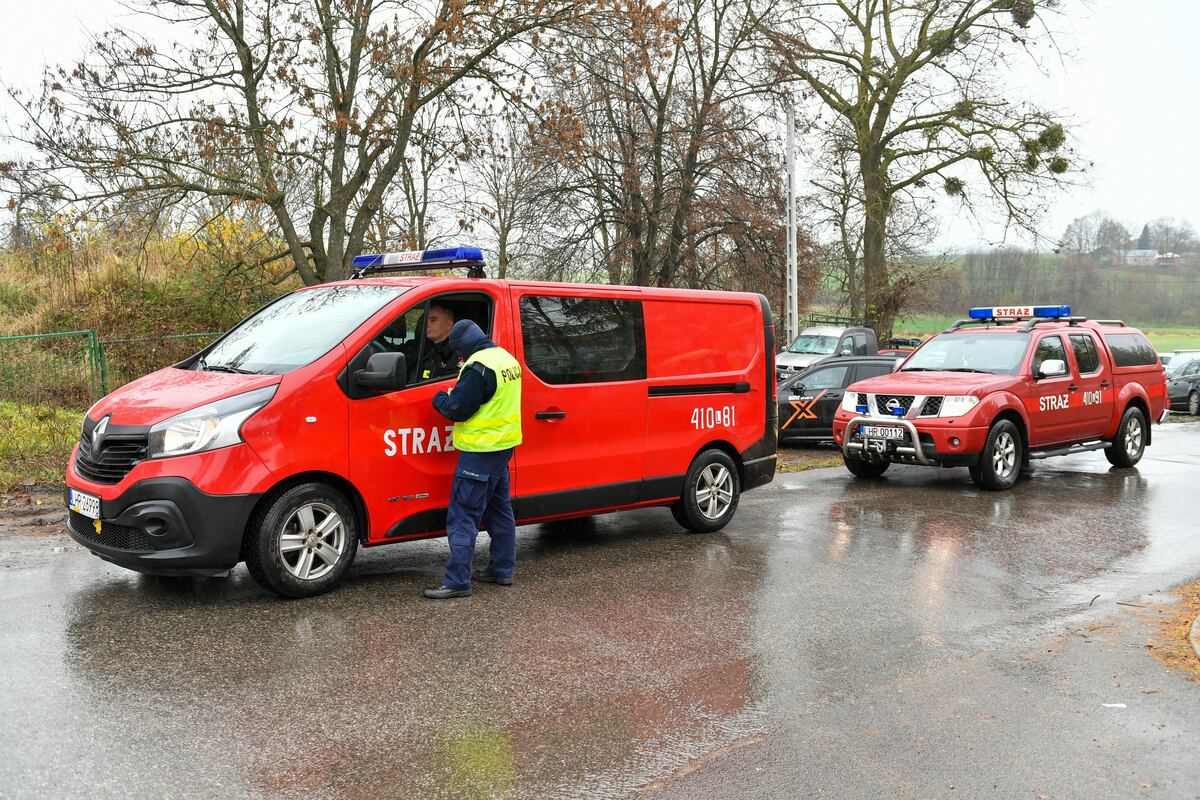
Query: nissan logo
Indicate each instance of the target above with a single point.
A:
(98, 433)
(892, 405)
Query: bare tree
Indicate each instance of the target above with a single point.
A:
(308, 107)
(916, 88)
(657, 116)
(1169, 235)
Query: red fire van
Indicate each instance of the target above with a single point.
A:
(308, 429)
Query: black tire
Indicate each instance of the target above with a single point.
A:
(862, 468)
(711, 490)
(269, 558)
(1129, 444)
(1000, 462)
(1194, 404)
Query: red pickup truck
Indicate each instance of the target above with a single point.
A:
(1003, 387)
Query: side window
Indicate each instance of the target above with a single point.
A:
(865, 371)
(422, 334)
(1085, 353)
(1050, 348)
(1192, 369)
(583, 339)
(828, 378)
(1131, 350)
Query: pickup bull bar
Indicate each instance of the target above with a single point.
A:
(858, 449)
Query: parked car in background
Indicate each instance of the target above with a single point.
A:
(809, 399)
(1178, 360)
(1183, 387)
(817, 343)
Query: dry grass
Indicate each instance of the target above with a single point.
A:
(1172, 625)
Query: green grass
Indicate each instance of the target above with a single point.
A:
(36, 444)
(1164, 338)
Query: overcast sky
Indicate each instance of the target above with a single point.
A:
(1131, 90)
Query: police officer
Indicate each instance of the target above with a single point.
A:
(485, 406)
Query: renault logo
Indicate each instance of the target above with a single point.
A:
(893, 405)
(98, 433)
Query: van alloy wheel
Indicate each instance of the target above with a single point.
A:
(714, 491)
(711, 489)
(301, 540)
(312, 541)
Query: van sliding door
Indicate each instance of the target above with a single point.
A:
(583, 401)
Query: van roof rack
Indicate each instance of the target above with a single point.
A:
(470, 258)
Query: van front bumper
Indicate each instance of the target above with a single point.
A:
(166, 526)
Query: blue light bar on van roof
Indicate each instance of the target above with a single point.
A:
(441, 254)
(1019, 312)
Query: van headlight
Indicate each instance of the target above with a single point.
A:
(207, 427)
(955, 405)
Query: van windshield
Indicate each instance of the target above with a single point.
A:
(813, 345)
(297, 329)
(995, 353)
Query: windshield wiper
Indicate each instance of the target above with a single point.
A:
(206, 367)
(967, 369)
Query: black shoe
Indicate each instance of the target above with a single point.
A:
(488, 577)
(445, 592)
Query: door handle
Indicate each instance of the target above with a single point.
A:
(1072, 388)
(550, 414)
(1104, 384)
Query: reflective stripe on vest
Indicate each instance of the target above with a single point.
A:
(497, 423)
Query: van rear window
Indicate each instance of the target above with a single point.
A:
(1131, 350)
(583, 339)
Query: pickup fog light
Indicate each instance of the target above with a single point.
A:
(957, 405)
(207, 427)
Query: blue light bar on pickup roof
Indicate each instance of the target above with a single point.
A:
(440, 254)
(1019, 312)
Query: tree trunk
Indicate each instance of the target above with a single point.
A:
(878, 310)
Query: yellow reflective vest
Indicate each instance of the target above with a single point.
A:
(497, 423)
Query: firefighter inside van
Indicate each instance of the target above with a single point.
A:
(437, 358)
(485, 406)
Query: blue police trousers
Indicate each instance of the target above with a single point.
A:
(479, 500)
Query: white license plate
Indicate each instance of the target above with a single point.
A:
(84, 503)
(882, 432)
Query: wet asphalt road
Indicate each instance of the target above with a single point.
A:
(913, 637)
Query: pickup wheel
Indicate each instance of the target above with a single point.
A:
(711, 490)
(862, 468)
(1194, 404)
(303, 541)
(1000, 462)
(1130, 442)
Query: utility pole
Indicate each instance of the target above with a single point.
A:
(793, 297)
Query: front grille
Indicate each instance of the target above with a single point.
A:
(117, 537)
(114, 461)
(882, 400)
(932, 406)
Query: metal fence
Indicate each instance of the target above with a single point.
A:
(73, 369)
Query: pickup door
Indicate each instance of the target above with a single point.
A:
(1092, 402)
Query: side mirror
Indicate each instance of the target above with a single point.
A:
(1052, 368)
(385, 372)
